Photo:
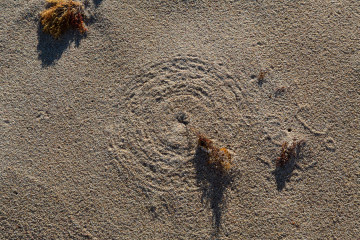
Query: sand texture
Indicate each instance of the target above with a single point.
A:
(98, 131)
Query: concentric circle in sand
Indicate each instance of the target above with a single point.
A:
(167, 100)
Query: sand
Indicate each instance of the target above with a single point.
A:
(97, 131)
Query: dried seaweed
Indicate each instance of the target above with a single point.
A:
(62, 16)
(288, 152)
(219, 158)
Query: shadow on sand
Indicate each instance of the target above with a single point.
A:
(50, 49)
(213, 185)
(97, 2)
(283, 173)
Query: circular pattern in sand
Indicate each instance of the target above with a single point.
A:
(165, 101)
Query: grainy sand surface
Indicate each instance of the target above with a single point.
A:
(96, 139)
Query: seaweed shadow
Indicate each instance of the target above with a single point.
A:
(213, 184)
(284, 169)
(50, 49)
(283, 174)
(97, 2)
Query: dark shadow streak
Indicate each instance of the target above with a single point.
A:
(51, 49)
(97, 2)
(283, 173)
(213, 185)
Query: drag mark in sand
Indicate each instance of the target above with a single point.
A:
(307, 119)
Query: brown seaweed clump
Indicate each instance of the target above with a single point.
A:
(62, 16)
(219, 158)
(288, 152)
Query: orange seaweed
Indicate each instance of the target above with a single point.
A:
(219, 158)
(62, 16)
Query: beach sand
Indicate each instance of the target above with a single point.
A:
(97, 131)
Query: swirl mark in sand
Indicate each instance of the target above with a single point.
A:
(164, 100)
(310, 121)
